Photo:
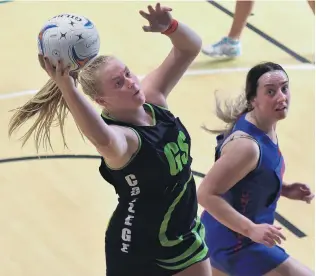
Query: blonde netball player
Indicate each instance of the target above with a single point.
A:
(145, 149)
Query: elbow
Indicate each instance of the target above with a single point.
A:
(196, 46)
(189, 48)
(206, 197)
(203, 197)
(199, 195)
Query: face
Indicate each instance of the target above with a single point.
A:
(273, 96)
(119, 88)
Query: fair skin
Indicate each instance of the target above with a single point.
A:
(118, 87)
(122, 95)
(311, 3)
(242, 12)
(239, 157)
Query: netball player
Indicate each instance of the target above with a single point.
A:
(145, 153)
(241, 190)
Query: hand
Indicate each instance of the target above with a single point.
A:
(266, 234)
(298, 191)
(60, 74)
(159, 19)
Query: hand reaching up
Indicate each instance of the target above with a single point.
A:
(159, 18)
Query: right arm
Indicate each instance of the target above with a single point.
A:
(238, 158)
(110, 142)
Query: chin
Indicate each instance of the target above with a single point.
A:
(140, 99)
(281, 115)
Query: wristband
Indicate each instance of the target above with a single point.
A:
(172, 27)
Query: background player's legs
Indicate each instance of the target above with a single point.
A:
(198, 269)
(291, 267)
(242, 11)
(230, 46)
(311, 3)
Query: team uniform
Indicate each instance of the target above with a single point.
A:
(154, 229)
(255, 196)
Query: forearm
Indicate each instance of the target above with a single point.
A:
(185, 39)
(284, 189)
(87, 119)
(226, 214)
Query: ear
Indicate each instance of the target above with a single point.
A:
(100, 101)
(253, 102)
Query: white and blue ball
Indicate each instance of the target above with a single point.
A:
(73, 38)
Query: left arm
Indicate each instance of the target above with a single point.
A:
(284, 188)
(297, 191)
(186, 46)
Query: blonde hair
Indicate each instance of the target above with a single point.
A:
(50, 107)
(229, 112)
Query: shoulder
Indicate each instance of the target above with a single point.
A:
(241, 146)
(129, 133)
(130, 143)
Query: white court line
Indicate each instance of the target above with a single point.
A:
(298, 67)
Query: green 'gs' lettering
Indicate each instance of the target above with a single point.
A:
(177, 154)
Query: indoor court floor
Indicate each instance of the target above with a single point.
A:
(54, 209)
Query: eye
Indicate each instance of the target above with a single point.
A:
(285, 89)
(271, 92)
(128, 74)
(118, 83)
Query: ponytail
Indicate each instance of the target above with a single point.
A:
(50, 107)
(229, 114)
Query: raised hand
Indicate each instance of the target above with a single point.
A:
(159, 18)
(60, 73)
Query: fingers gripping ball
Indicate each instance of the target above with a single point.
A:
(70, 37)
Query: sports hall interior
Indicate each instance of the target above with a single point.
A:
(55, 205)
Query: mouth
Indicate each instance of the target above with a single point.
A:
(281, 108)
(137, 92)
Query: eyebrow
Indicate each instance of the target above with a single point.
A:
(116, 77)
(271, 84)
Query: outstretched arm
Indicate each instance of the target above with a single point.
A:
(186, 46)
(109, 142)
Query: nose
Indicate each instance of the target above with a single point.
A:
(130, 83)
(282, 97)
